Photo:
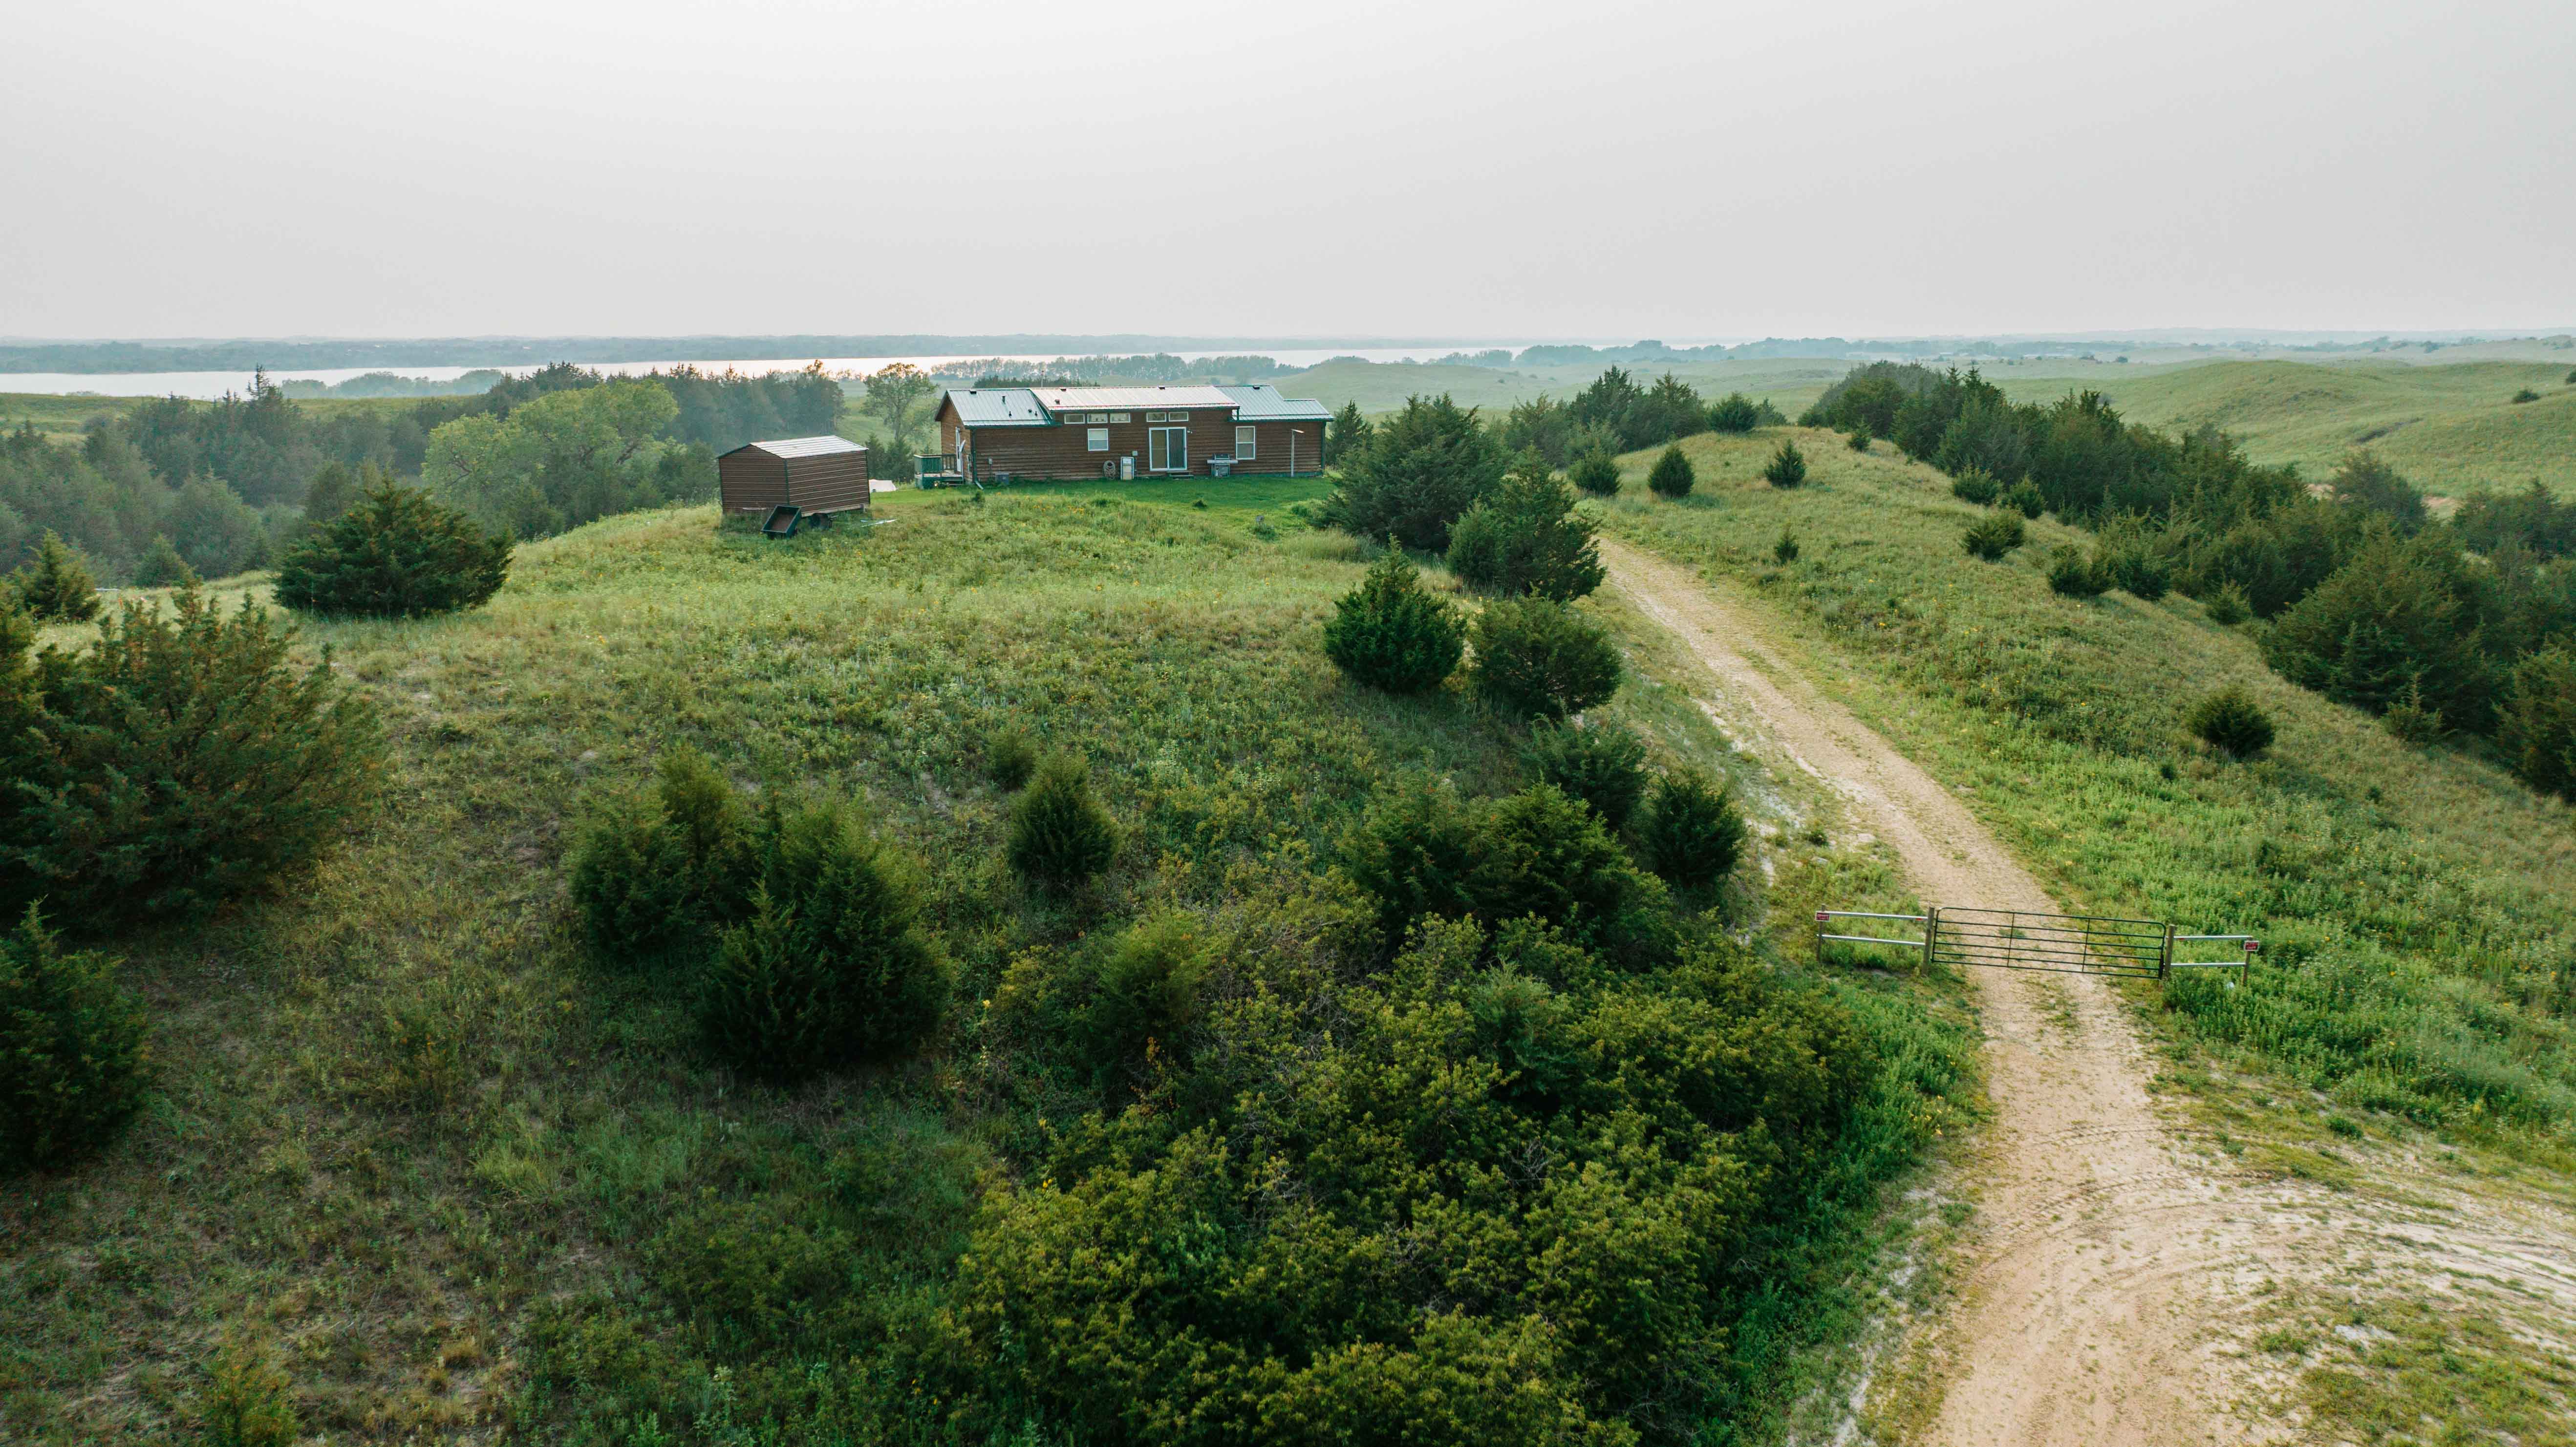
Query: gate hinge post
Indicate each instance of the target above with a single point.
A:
(2164, 962)
(1931, 931)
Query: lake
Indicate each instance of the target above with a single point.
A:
(210, 385)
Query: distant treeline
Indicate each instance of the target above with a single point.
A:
(1159, 367)
(394, 384)
(227, 481)
(1616, 413)
(2468, 625)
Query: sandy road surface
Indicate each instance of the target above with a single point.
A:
(2111, 1259)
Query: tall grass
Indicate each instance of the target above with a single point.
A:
(2418, 906)
(410, 1129)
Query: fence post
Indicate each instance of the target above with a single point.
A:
(2164, 962)
(1931, 928)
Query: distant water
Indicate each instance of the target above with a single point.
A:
(215, 384)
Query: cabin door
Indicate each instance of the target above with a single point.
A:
(1167, 449)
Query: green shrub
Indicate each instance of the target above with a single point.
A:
(1536, 658)
(1992, 536)
(1859, 439)
(658, 875)
(1010, 756)
(1596, 473)
(2227, 607)
(830, 967)
(1690, 833)
(2024, 497)
(1787, 467)
(248, 1401)
(2230, 721)
(1601, 764)
(1419, 472)
(1543, 853)
(1120, 1004)
(2072, 573)
(1672, 475)
(186, 763)
(2536, 728)
(2400, 613)
(2411, 720)
(1527, 538)
(1734, 413)
(2132, 560)
(1391, 633)
(55, 586)
(162, 567)
(1412, 853)
(1976, 485)
(1786, 550)
(1060, 834)
(72, 1052)
(396, 553)
(2526, 395)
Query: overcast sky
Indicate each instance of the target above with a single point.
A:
(1299, 168)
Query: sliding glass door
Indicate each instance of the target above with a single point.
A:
(1167, 449)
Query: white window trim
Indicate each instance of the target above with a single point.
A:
(1099, 439)
(1247, 442)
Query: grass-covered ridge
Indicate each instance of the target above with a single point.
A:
(455, 1178)
(2419, 905)
(2452, 427)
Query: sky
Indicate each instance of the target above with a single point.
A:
(1598, 170)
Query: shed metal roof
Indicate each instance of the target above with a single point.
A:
(1261, 402)
(998, 407)
(801, 446)
(1070, 399)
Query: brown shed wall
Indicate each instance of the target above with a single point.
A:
(833, 482)
(749, 481)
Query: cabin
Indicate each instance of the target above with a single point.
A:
(1067, 433)
(817, 476)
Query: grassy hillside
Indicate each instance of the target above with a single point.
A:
(57, 417)
(413, 1140)
(2451, 428)
(2410, 1017)
(2421, 903)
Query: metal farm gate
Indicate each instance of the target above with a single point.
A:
(2011, 939)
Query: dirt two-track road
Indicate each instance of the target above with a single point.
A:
(2114, 1261)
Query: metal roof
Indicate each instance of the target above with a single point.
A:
(998, 407)
(1078, 399)
(802, 446)
(1261, 402)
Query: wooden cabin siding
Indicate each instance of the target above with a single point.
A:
(1271, 440)
(749, 481)
(1063, 453)
(834, 482)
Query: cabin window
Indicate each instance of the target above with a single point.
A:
(1117, 416)
(1247, 444)
(1099, 417)
(1100, 439)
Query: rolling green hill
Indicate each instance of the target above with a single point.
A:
(2451, 428)
(2415, 999)
(460, 1181)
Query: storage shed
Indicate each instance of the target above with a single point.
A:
(818, 476)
